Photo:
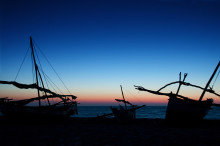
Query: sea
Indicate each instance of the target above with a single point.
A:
(152, 112)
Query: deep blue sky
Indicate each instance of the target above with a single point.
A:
(97, 45)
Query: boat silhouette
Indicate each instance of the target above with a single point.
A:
(126, 112)
(181, 108)
(62, 105)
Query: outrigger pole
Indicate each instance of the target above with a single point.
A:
(180, 83)
(207, 85)
(123, 97)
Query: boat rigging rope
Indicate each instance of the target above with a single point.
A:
(22, 64)
(41, 68)
(132, 95)
(53, 69)
(32, 69)
(46, 77)
(215, 79)
(51, 82)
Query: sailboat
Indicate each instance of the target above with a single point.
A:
(125, 113)
(181, 108)
(60, 106)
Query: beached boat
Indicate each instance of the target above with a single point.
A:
(125, 113)
(60, 106)
(182, 108)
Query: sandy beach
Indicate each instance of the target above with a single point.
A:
(90, 131)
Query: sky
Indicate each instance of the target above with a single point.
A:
(96, 46)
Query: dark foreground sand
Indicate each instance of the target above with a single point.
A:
(87, 131)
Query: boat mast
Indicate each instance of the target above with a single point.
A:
(123, 97)
(35, 66)
(207, 85)
(37, 72)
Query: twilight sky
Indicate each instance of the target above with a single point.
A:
(96, 46)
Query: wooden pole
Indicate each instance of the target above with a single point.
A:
(36, 68)
(207, 85)
(123, 97)
(37, 72)
(180, 83)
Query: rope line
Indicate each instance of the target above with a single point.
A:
(49, 80)
(40, 68)
(21, 64)
(215, 79)
(53, 69)
(134, 96)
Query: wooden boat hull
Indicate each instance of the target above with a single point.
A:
(124, 115)
(179, 109)
(37, 112)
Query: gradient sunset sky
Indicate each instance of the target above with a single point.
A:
(98, 45)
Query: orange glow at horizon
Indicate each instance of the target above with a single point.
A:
(108, 98)
(143, 98)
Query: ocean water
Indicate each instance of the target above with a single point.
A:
(151, 112)
(145, 112)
